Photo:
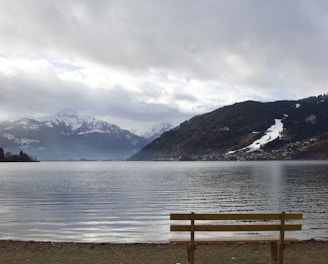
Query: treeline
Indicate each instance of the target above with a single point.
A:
(9, 157)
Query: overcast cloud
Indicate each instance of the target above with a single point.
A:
(136, 63)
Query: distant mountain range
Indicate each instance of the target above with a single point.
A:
(248, 130)
(67, 136)
(295, 129)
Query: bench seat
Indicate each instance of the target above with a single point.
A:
(231, 239)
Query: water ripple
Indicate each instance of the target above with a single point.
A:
(131, 201)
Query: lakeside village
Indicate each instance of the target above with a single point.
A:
(287, 152)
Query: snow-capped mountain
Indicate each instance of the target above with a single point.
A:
(156, 131)
(66, 135)
(68, 118)
(72, 123)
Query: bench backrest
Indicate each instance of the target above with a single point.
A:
(246, 222)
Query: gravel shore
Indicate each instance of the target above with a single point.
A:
(20, 252)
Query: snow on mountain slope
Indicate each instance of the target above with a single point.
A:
(21, 141)
(97, 126)
(68, 118)
(271, 134)
(156, 131)
(73, 123)
(79, 125)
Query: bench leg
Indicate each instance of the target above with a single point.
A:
(191, 253)
(274, 252)
(281, 253)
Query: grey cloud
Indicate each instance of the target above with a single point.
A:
(32, 95)
(183, 35)
(121, 103)
(186, 97)
(254, 49)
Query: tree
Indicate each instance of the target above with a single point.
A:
(2, 154)
(24, 157)
(9, 157)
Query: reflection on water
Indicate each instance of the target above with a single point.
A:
(131, 201)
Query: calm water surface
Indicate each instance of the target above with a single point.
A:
(131, 201)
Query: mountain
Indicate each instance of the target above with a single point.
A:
(67, 136)
(156, 131)
(248, 130)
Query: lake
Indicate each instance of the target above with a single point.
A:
(131, 201)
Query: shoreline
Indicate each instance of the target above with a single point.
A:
(28, 252)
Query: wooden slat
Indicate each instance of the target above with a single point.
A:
(238, 227)
(232, 239)
(294, 216)
(236, 216)
(180, 216)
(293, 227)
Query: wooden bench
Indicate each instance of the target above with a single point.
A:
(254, 223)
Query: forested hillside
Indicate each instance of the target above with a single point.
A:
(234, 127)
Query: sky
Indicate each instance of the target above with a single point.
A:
(139, 63)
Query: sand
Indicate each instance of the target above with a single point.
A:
(19, 252)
